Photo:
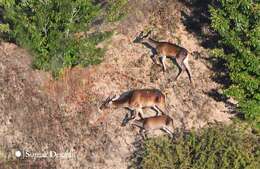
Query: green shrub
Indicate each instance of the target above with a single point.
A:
(115, 10)
(216, 147)
(238, 24)
(48, 29)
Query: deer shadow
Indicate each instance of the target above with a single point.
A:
(197, 21)
(137, 156)
(218, 65)
(128, 117)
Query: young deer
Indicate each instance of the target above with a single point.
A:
(162, 122)
(167, 49)
(136, 100)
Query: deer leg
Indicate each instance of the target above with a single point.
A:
(132, 112)
(182, 61)
(155, 60)
(138, 111)
(156, 109)
(168, 131)
(126, 119)
(187, 68)
(178, 75)
(163, 62)
(143, 133)
(179, 61)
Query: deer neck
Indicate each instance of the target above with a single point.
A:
(119, 103)
(152, 42)
(138, 123)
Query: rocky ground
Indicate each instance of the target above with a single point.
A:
(40, 114)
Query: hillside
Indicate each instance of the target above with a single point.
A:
(40, 113)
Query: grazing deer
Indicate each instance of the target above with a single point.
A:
(167, 49)
(136, 100)
(162, 122)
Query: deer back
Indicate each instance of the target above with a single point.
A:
(168, 49)
(146, 97)
(155, 122)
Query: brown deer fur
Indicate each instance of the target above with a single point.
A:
(163, 122)
(169, 50)
(138, 99)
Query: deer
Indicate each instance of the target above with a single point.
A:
(166, 50)
(162, 122)
(136, 100)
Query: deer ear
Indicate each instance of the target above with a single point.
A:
(115, 97)
(148, 33)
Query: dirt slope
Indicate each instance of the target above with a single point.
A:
(40, 114)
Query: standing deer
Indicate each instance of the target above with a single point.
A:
(162, 122)
(136, 100)
(167, 49)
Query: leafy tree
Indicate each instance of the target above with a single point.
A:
(115, 9)
(49, 29)
(216, 147)
(238, 24)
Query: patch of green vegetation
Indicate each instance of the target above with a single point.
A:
(238, 24)
(49, 28)
(216, 147)
(116, 10)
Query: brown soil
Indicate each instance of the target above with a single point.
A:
(40, 114)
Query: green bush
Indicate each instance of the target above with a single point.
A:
(115, 10)
(238, 24)
(48, 28)
(216, 147)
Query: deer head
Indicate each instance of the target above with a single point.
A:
(141, 37)
(107, 102)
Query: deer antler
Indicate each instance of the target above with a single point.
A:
(114, 97)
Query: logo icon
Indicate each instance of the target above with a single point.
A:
(18, 153)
